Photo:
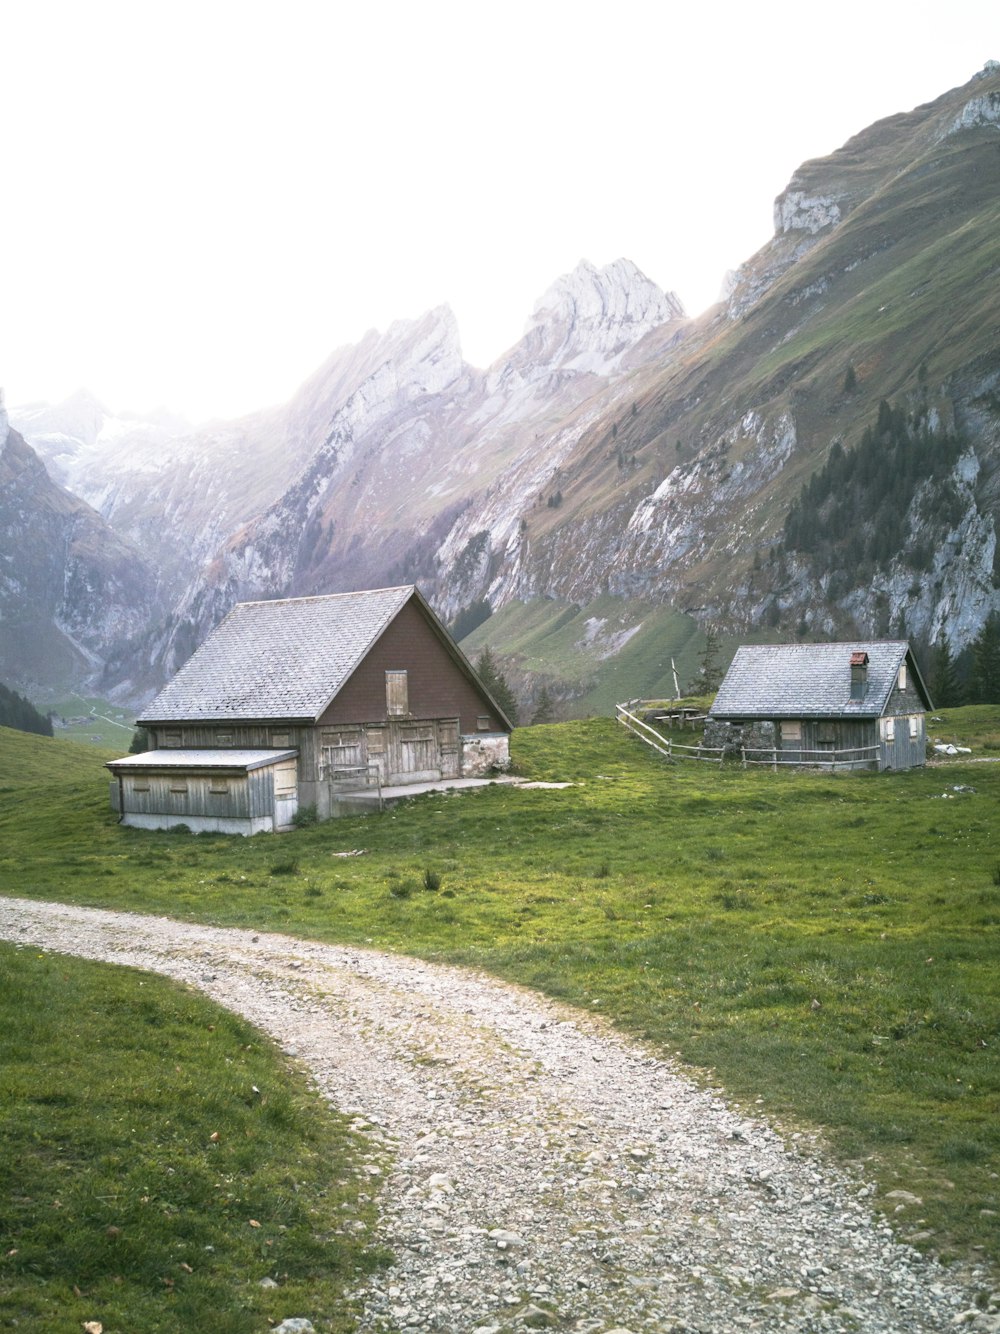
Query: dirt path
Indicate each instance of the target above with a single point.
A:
(544, 1171)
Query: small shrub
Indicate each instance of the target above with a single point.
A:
(313, 892)
(304, 816)
(178, 829)
(432, 881)
(401, 889)
(602, 872)
(287, 866)
(735, 901)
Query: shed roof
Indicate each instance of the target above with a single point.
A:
(813, 680)
(200, 759)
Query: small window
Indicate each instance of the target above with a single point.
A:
(914, 727)
(172, 740)
(280, 739)
(397, 701)
(140, 785)
(791, 731)
(218, 786)
(376, 741)
(484, 724)
(178, 785)
(223, 738)
(890, 729)
(901, 679)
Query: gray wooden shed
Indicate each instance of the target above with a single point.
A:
(306, 700)
(218, 791)
(853, 705)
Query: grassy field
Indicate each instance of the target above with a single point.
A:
(824, 947)
(158, 1159)
(92, 721)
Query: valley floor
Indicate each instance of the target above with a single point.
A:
(535, 1168)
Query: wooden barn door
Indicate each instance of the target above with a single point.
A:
(414, 752)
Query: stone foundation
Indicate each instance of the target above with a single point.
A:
(483, 753)
(758, 739)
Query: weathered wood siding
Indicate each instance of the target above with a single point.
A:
(242, 736)
(827, 734)
(904, 744)
(901, 745)
(436, 687)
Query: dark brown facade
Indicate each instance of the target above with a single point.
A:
(436, 687)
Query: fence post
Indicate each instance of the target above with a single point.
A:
(774, 758)
(743, 755)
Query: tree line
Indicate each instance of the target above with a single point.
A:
(852, 514)
(969, 677)
(21, 714)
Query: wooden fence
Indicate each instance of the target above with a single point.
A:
(856, 757)
(772, 757)
(664, 744)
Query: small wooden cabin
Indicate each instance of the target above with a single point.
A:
(854, 705)
(299, 701)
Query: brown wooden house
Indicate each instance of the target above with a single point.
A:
(855, 705)
(302, 702)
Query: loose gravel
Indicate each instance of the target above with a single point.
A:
(534, 1169)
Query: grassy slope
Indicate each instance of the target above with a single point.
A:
(548, 639)
(103, 723)
(117, 1205)
(706, 911)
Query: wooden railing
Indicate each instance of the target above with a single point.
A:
(854, 757)
(772, 757)
(664, 744)
(354, 778)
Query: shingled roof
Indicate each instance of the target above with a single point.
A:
(812, 680)
(285, 659)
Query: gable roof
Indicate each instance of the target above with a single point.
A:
(285, 659)
(813, 680)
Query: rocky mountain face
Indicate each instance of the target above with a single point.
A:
(69, 585)
(621, 453)
(879, 285)
(359, 480)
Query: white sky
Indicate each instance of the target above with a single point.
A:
(201, 200)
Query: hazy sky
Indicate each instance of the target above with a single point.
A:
(202, 200)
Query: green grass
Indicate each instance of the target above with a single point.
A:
(975, 725)
(600, 654)
(92, 721)
(825, 946)
(141, 1130)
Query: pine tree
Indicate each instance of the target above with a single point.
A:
(943, 681)
(496, 683)
(709, 673)
(545, 709)
(985, 685)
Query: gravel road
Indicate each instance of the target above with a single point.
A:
(542, 1171)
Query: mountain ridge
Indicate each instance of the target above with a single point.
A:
(622, 450)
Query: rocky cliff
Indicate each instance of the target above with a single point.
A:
(69, 585)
